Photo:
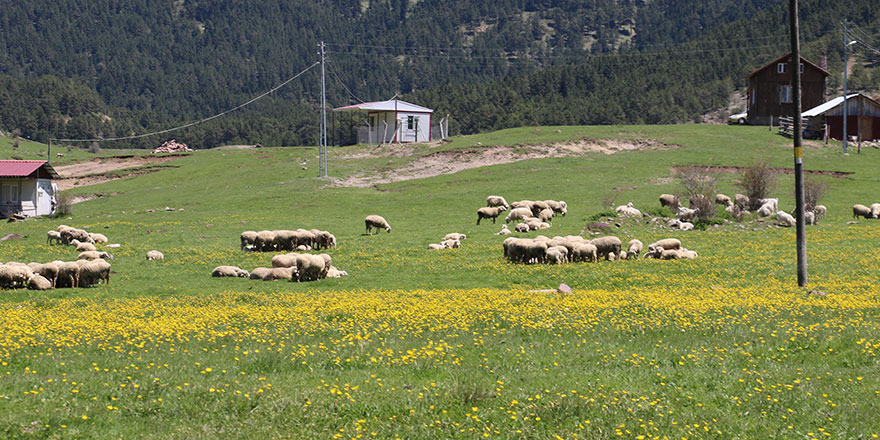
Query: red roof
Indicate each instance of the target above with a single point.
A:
(24, 168)
(825, 72)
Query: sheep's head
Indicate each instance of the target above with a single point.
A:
(388, 229)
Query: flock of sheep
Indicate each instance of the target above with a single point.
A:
(291, 266)
(450, 241)
(532, 215)
(284, 240)
(768, 207)
(574, 248)
(90, 268)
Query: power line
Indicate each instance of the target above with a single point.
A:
(333, 72)
(200, 121)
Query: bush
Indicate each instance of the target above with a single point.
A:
(814, 189)
(600, 215)
(699, 187)
(757, 181)
(662, 211)
(64, 205)
(94, 148)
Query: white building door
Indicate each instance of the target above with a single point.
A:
(409, 129)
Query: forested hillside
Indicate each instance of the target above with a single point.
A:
(104, 68)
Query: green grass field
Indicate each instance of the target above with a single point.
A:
(452, 344)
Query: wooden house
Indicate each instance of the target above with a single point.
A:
(770, 90)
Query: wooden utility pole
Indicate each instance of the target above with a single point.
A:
(798, 147)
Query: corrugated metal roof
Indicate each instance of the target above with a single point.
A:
(24, 168)
(385, 106)
(818, 110)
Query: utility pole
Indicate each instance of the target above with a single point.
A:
(798, 147)
(846, 44)
(323, 148)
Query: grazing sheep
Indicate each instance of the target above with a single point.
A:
(436, 247)
(607, 247)
(229, 271)
(535, 251)
(456, 236)
(504, 230)
(559, 207)
(657, 247)
(521, 227)
(333, 272)
(84, 247)
(325, 240)
(493, 201)
(768, 207)
(809, 218)
(820, 211)
(261, 273)
(310, 267)
(861, 211)
(265, 241)
(48, 271)
(38, 282)
(94, 272)
(94, 255)
(452, 244)
(633, 249)
(721, 199)
(377, 222)
(12, 276)
(784, 219)
(98, 238)
(669, 200)
(875, 210)
(155, 255)
(285, 240)
(53, 237)
(671, 254)
(556, 254)
(584, 252)
(248, 238)
(518, 214)
(489, 212)
(68, 275)
(69, 234)
(741, 200)
(546, 215)
(285, 260)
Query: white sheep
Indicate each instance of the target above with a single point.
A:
(98, 238)
(609, 247)
(656, 248)
(556, 254)
(768, 207)
(875, 210)
(265, 241)
(247, 239)
(496, 201)
(310, 267)
(628, 210)
(809, 218)
(491, 212)
(452, 244)
(521, 227)
(84, 247)
(228, 271)
(436, 247)
(261, 273)
(376, 222)
(68, 274)
(94, 272)
(456, 236)
(721, 199)
(669, 200)
(559, 207)
(784, 219)
(634, 248)
(504, 230)
(155, 255)
(546, 215)
(94, 255)
(518, 214)
(333, 272)
(53, 237)
(686, 214)
(686, 226)
(861, 211)
(820, 211)
(584, 252)
(39, 282)
(285, 260)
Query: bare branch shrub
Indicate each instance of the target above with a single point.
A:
(699, 187)
(814, 189)
(757, 181)
(608, 200)
(94, 148)
(64, 205)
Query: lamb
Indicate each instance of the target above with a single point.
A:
(457, 236)
(521, 227)
(248, 238)
(584, 252)
(493, 201)
(607, 246)
(38, 282)
(265, 241)
(504, 230)
(53, 237)
(98, 238)
(518, 214)
(94, 255)
(333, 272)
(875, 210)
(686, 226)
(721, 199)
(155, 255)
(669, 200)
(861, 211)
(94, 272)
(820, 211)
(556, 254)
(633, 249)
(229, 271)
(546, 215)
(489, 212)
(377, 222)
(784, 219)
(84, 247)
(285, 260)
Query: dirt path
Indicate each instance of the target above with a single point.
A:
(453, 161)
(90, 173)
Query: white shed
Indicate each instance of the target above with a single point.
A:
(26, 187)
(394, 121)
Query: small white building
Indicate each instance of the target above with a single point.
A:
(394, 121)
(26, 187)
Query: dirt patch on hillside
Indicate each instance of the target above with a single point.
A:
(95, 171)
(453, 161)
(739, 170)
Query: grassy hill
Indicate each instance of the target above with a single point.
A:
(420, 344)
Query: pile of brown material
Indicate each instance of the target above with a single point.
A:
(172, 146)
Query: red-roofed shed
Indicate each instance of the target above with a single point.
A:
(26, 188)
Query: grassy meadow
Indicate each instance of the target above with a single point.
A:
(418, 344)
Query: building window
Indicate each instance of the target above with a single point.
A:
(780, 68)
(10, 194)
(410, 122)
(802, 67)
(785, 95)
(754, 96)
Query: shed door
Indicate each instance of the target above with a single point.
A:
(865, 128)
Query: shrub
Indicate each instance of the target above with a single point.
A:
(600, 215)
(814, 189)
(757, 181)
(94, 148)
(662, 211)
(699, 187)
(64, 205)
